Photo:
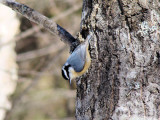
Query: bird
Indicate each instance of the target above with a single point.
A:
(78, 62)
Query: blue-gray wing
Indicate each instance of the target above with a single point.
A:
(78, 57)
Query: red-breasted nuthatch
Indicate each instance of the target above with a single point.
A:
(78, 62)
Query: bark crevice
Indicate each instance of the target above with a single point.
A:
(123, 13)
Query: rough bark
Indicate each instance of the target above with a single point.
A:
(123, 80)
(9, 25)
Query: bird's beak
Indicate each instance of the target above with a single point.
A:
(70, 81)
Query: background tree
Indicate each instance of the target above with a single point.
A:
(9, 27)
(41, 92)
(123, 80)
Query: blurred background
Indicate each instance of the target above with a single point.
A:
(41, 93)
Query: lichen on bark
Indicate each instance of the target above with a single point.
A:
(122, 82)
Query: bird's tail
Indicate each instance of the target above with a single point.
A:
(89, 37)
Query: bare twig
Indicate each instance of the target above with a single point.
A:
(33, 83)
(53, 48)
(38, 28)
(40, 19)
(33, 72)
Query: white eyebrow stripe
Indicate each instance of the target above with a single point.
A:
(65, 72)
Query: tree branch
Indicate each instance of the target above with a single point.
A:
(40, 52)
(40, 19)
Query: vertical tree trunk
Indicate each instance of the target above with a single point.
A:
(9, 25)
(123, 80)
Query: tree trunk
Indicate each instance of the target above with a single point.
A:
(123, 82)
(9, 25)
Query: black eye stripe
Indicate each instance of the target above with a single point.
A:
(66, 68)
(64, 75)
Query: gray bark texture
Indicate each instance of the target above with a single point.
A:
(123, 82)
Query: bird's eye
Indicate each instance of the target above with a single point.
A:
(64, 74)
(65, 71)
